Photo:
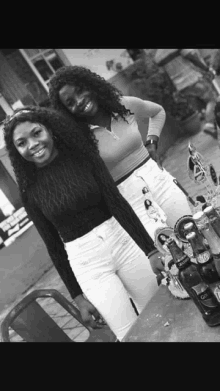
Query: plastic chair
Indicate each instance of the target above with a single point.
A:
(33, 324)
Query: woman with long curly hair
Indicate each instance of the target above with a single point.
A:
(94, 238)
(113, 120)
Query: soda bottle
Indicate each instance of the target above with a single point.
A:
(190, 227)
(195, 286)
(213, 218)
(211, 236)
(204, 259)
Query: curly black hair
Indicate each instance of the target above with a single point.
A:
(70, 139)
(106, 95)
(73, 142)
(217, 113)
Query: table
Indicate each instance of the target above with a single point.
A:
(167, 319)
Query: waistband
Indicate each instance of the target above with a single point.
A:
(131, 172)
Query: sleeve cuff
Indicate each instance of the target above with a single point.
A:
(152, 252)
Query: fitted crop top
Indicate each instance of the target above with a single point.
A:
(122, 149)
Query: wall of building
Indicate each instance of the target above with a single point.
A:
(95, 59)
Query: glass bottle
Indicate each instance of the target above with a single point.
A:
(213, 218)
(190, 227)
(204, 258)
(195, 286)
(204, 225)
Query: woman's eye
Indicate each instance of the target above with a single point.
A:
(21, 144)
(69, 103)
(37, 132)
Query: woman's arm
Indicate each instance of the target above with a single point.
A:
(147, 109)
(156, 115)
(55, 249)
(58, 255)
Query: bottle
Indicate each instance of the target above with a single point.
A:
(191, 227)
(213, 218)
(195, 286)
(204, 259)
(212, 238)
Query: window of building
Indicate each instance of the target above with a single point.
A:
(19, 84)
(45, 61)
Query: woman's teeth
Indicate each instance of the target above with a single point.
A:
(87, 106)
(37, 154)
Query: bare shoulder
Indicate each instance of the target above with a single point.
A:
(140, 106)
(130, 101)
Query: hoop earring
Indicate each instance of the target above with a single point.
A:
(54, 137)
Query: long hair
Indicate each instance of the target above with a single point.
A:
(67, 136)
(106, 95)
(70, 139)
(217, 113)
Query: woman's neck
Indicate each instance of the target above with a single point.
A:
(101, 119)
(53, 156)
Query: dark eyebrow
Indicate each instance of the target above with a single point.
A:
(19, 139)
(36, 127)
(32, 130)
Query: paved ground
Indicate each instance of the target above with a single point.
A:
(175, 163)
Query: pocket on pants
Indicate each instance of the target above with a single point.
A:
(158, 181)
(86, 247)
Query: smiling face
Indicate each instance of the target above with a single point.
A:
(163, 238)
(78, 101)
(34, 143)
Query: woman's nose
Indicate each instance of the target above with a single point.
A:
(33, 144)
(79, 100)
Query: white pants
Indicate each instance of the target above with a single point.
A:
(110, 268)
(164, 192)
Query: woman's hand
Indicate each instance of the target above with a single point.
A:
(157, 265)
(89, 313)
(152, 150)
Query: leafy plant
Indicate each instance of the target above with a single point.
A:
(155, 85)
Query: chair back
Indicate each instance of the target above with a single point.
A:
(32, 322)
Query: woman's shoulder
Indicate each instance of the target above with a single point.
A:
(135, 104)
(129, 101)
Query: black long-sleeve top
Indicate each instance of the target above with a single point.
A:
(65, 202)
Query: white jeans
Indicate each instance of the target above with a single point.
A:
(110, 268)
(164, 192)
